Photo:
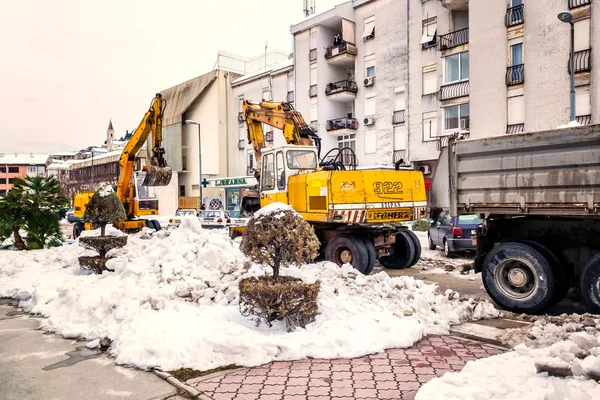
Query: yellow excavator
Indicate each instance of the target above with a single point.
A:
(132, 186)
(352, 211)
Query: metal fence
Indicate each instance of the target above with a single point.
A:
(514, 128)
(515, 74)
(398, 117)
(578, 3)
(342, 48)
(453, 39)
(454, 90)
(341, 86)
(582, 61)
(514, 16)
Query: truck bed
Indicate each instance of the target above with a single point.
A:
(541, 173)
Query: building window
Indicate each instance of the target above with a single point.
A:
(370, 71)
(516, 110)
(32, 169)
(582, 34)
(313, 38)
(184, 163)
(348, 141)
(266, 94)
(456, 117)
(429, 82)
(314, 111)
(456, 67)
(370, 142)
(399, 99)
(369, 32)
(250, 159)
(430, 126)
(2, 181)
(516, 54)
(370, 106)
(181, 190)
(290, 83)
(2, 192)
(240, 101)
(429, 36)
(2, 170)
(582, 101)
(400, 138)
(370, 65)
(268, 172)
(13, 170)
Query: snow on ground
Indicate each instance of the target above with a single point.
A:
(172, 299)
(514, 375)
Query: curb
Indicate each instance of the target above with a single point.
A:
(193, 392)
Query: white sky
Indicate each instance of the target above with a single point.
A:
(67, 66)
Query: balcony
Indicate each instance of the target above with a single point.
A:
(582, 61)
(584, 119)
(342, 54)
(312, 92)
(456, 5)
(343, 91)
(398, 117)
(290, 97)
(442, 141)
(453, 39)
(514, 128)
(312, 55)
(578, 3)
(341, 126)
(515, 75)
(454, 90)
(514, 16)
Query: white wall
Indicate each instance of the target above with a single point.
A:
(168, 196)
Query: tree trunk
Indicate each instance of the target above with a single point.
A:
(19, 244)
(276, 265)
(102, 229)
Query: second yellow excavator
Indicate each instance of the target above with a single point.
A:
(349, 209)
(132, 187)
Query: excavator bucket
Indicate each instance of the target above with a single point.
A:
(157, 176)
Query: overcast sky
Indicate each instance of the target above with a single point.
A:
(67, 66)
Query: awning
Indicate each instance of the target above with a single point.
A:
(428, 33)
(369, 28)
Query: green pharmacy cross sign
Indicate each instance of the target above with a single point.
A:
(230, 182)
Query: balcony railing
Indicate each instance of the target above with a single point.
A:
(515, 75)
(290, 97)
(453, 39)
(400, 155)
(312, 55)
(582, 61)
(514, 16)
(341, 123)
(442, 141)
(454, 90)
(584, 119)
(341, 86)
(398, 117)
(578, 3)
(342, 48)
(514, 128)
(312, 92)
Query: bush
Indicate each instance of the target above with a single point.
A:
(278, 236)
(286, 298)
(421, 225)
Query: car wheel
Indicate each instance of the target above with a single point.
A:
(417, 244)
(346, 249)
(447, 252)
(590, 284)
(403, 255)
(432, 245)
(518, 278)
(562, 281)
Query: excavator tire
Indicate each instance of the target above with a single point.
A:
(344, 249)
(417, 243)
(404, 253)
(78, 227)
(153, 224)
(372, 255)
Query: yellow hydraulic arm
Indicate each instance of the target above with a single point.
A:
(157, 171)
(279, 115)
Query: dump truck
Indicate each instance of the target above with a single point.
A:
(538, 196)
(350, 209)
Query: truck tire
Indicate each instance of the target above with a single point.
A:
(372, 255)
(78, 227)
(404, 253)
(589, 284)
(344, 249)
(562, 282)
(518, 278)
(417, 243)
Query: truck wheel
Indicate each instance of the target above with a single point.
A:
(590, 284)
(447, 252)
(404, 253)
(518, 278)
(372, 254)
(345, 249)
(562, 282)
(417, 243)
(432, 246)
(78, 227)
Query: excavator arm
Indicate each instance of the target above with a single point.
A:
(280, 115)
(157, 171)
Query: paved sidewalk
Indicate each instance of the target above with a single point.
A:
(393, 374)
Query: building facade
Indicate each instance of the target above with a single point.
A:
(19, 166)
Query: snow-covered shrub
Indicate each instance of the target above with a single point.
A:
(104, 208)
(421, 225)
(278, 236)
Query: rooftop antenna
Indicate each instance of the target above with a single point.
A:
(309, 7)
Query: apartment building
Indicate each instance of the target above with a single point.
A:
(391, 80)
(19, 166)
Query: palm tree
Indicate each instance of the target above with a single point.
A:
(12, 217)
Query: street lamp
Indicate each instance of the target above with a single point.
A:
(567, 18)
(189, 121)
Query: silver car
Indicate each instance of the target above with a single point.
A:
(215, 218)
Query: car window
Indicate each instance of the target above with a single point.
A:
(469, 220)
(446, 219)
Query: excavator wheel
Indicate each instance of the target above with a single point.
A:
(404, 253)
(346, 249)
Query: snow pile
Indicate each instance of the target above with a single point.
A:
(571, 124)
(273, 208)
(105, 191)
(515, 375)
(172, 301)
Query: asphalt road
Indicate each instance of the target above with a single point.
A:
(38, 365)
